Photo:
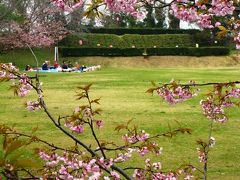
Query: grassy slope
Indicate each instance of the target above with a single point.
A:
(122, 98)
(23, 57)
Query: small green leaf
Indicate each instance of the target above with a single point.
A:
(15, 156)
(34, 129)
(97, 111)
(13, 146)
(151, 90)
(26, 163)
(120, 127)
(87, 87)
(96, 101)
(222, 28)
(129, 121)
(153, 83)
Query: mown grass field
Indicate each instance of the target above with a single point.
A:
(122, 91)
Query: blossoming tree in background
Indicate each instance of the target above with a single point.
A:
(35, 23)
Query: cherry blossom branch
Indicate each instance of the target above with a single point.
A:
(29, 173)
(34, 138)
(169, 134)
(94, 154)
(203, 84)
(207, 151)
(91, 125)
(194, 167)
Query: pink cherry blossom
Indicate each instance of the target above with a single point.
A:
(62, 4)
(175, 95)
(32, 106)
(115, 175)
(201, 156)
(75, 128)
(133, 137)
(122, 157)
(143, 151)
(213, 111)
(138, 174)
(99, 123)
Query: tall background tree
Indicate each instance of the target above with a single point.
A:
(32, 22)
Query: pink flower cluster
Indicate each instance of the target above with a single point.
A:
(68, 166)
(175, 94)
(220, 7)
(214, 110)
(143, 150)
(115, 176)
(153, 171)
(73, 167)
(237, 40)
(99, 123)
(126, 6)
(65, 5)
(198, 12)
(86, 117)
(183, 13)
(124, 157)
(32, 106)
(38, 36)
(235, 93)
(24, 86)
(10, 72)
(135, 137)
(7, 71)
(79, 128)
(201, 156)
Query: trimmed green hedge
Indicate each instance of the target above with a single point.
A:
(75, 52)
(202, 51)
(166, 40)
(190, 51)
(127, 41)
(142, 31)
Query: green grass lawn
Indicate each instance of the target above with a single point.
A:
(123, 97)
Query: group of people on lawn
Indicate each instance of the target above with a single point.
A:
(64, 67)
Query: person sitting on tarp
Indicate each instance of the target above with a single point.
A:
(83, 68)
(45, 66)
(27, 68)
(64, 65)
(70, 64)
(55, 65)
(78, 66)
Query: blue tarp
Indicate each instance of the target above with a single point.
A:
(52, 71)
